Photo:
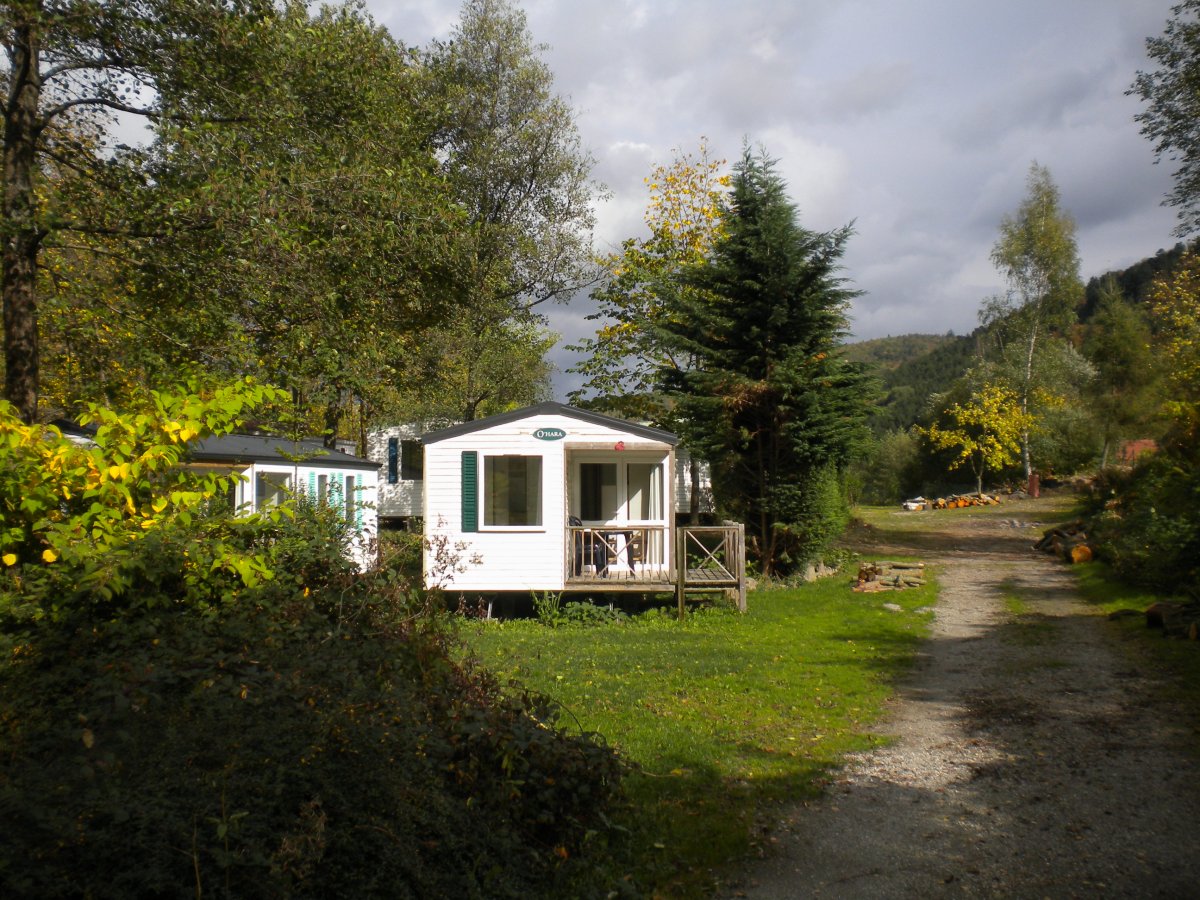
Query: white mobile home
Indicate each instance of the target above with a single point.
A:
(553, 498)
(400, 454)
(272, 467)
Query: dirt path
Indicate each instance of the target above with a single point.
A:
(1032, 759)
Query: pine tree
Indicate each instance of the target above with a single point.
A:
(771, 402)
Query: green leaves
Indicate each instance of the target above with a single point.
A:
(768, 398)
(73, 513)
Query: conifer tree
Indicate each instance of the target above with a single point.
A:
(771, 401)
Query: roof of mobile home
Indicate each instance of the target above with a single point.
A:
(254, 448)
(551, 408)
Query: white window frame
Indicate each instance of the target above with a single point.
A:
(579, 459)
(485, 460)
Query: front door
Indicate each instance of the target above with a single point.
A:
(622, 503)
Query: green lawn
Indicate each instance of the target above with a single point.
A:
(722, 715)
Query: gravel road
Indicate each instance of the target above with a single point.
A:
(1032, 757)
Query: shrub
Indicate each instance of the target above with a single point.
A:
(224, 706)
(1147, 522)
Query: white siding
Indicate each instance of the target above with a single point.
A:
(302, 478)
(529, 559)
(404, 499)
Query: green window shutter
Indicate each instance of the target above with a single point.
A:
(470, 490)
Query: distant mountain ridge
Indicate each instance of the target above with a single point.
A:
(913, 366)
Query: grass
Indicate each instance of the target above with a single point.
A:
(722, 716)
(1177, 662)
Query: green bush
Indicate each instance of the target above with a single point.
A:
(821, 515)
(1146, 522)
(184, 725)
(889, 473)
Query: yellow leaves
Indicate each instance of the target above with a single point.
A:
(49, 556)
(9, 559)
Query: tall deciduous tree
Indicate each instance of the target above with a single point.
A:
(771, 401)
(512, 159)
(70, 67)
(621, 364)
(1039, 259)
(1172, 115)
(319, 233)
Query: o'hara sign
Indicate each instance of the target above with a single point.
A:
(549, 434)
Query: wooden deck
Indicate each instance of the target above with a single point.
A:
(632, 559)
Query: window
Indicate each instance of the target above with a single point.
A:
(412, 460)
(270, 489)
(392, 459)
(598, 492)
(512, 487)
(620, 492)
(645, 491)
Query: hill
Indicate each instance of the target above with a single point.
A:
(911, 367)
(889, 353)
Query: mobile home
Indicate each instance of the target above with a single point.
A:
(554, 498)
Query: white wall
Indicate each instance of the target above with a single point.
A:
(405, 498)
(500, 559)
(303, 478)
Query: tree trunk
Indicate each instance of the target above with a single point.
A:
(22, 237)
(333, 418)
(1026, 388)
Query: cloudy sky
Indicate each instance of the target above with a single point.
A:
(917, 120)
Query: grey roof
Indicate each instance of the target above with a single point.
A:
(251, 448)
(551, 408)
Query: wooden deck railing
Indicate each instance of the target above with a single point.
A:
(634, 557)
(711, 557)
(618, 554)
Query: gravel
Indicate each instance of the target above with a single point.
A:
(1032, 758)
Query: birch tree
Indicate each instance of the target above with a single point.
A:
(1038, 256)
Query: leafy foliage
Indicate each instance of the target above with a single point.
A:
(76, 518)
(301, 732)
(771, 401)
(643, 289)
(1173, 107)
(1039, 258)
(984, 432)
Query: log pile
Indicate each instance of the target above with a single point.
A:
(1068, 542)
(954, 501)
(889, 576)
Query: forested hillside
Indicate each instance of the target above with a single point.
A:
(911, 367)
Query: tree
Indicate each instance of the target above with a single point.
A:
(1175, 302)
(642, 284)
(771, 401)
(465, 370)
(985, 431)
(71, 67)
(320, 232)
(1039, 259)
(1117, 342)
(512, 159)
(1172, 117)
